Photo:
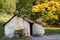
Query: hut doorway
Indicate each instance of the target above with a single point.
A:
(31, 29)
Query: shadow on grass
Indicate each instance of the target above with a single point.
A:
(1, 28)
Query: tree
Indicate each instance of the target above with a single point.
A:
(24, 7)
(47, 10)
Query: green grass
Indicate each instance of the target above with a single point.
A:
(3, 18)
(51, 31)
(1, 29)
(27, 38)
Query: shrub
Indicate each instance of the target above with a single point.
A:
(48, 10)
(3, 5)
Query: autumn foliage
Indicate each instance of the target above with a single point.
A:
(49, 10)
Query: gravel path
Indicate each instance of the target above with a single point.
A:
(47, 37)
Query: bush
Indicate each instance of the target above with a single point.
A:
(48, 10)
(3, 5)
(24, 7)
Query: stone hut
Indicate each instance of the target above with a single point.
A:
(18, 22)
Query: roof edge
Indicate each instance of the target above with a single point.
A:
(9, 20)
(25, 18)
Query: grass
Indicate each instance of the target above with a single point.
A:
(1, 29)
(27, 38)
(3, 18)
(51, 31)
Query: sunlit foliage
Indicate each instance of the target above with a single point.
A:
(11, 8)
(49, 10)
(3, 5)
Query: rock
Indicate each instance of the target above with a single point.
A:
(38, 29)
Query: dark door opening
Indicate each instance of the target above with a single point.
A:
(31, 29)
